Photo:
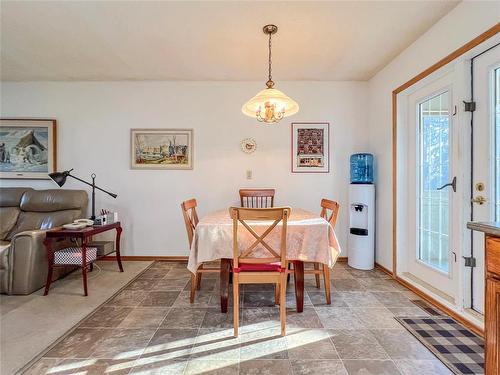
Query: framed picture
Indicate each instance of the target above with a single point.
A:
(28, 148)
(161, 148)
(310, 147)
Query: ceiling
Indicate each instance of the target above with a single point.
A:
(207, 40)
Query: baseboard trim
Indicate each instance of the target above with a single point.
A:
(179, 258)
(442, 307)
(384, 270)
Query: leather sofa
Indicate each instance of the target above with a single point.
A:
(25, 216)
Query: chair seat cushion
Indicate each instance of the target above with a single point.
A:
(259, 267)
(73, 256)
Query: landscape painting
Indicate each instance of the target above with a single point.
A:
(27, 148)
(162, 148)
(310, 148)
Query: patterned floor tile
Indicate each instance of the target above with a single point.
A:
(144, 317)
(318, 367)
(208, 367)
(310, 344)
(265, 367)
(107, 317)
(371, 367)
(184, 318)
(357, 344)
(159, 298)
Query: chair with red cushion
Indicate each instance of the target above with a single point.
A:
(249, 269)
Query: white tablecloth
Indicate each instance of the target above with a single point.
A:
(309, 238)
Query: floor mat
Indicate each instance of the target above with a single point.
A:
(426, 307)
(461, 350)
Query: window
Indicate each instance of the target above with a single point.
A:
(434, 171)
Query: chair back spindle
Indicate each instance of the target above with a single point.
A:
(257, 198)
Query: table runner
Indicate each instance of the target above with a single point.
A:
(310, 238)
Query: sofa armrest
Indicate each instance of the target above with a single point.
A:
(28, 261)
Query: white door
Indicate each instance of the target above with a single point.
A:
(432, 155)
(485, 204)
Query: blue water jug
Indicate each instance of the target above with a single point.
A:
(362, 168)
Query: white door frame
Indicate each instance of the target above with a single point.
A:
(483, 168)
(461, 64)
(415, 269)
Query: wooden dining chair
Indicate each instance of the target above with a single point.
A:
(257, 198)
(191, 220)
(248, 269)
(329, 211)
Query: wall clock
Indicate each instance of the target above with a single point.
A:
(248, 145)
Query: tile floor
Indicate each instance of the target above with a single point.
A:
(151, 328)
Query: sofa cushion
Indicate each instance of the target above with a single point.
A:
(9, 217)
(4, 248)
(53, 200)
(4, 266)
(43, 220)
(11, 196)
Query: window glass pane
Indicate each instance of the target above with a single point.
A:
(434, 146)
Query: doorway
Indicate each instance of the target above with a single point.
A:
(433, 224)
(485, 163)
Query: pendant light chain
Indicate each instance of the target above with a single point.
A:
(270, 60)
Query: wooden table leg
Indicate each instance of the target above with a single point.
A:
(50, 260)
(326, 277)
(117, 248)
(84, 268)
(225, 268)
(298, 267)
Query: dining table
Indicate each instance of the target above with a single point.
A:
(310, 238)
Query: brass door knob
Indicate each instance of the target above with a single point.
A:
(479, 200)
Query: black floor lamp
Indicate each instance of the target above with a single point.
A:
(60, 179)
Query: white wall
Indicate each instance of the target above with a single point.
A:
(94, 122)
(462, 24)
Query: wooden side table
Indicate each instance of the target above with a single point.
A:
(80, 234)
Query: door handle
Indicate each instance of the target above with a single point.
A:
(453, 184)
(479, 200)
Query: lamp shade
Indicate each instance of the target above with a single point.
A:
(59, 177)
(267, 98)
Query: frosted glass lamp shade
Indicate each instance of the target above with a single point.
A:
(270, 106)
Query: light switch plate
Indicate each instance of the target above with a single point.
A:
(249, 175)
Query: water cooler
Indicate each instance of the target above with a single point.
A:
(361, 244)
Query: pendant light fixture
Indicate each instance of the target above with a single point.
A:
(270, 105)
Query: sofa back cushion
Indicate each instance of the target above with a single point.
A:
(45, 209)
(9, 217)
(10, 199)
(11, 196)
(53, 200)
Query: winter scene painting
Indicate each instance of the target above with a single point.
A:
(27, 148)
(162, 148)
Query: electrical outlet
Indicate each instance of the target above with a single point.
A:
(249, 174)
